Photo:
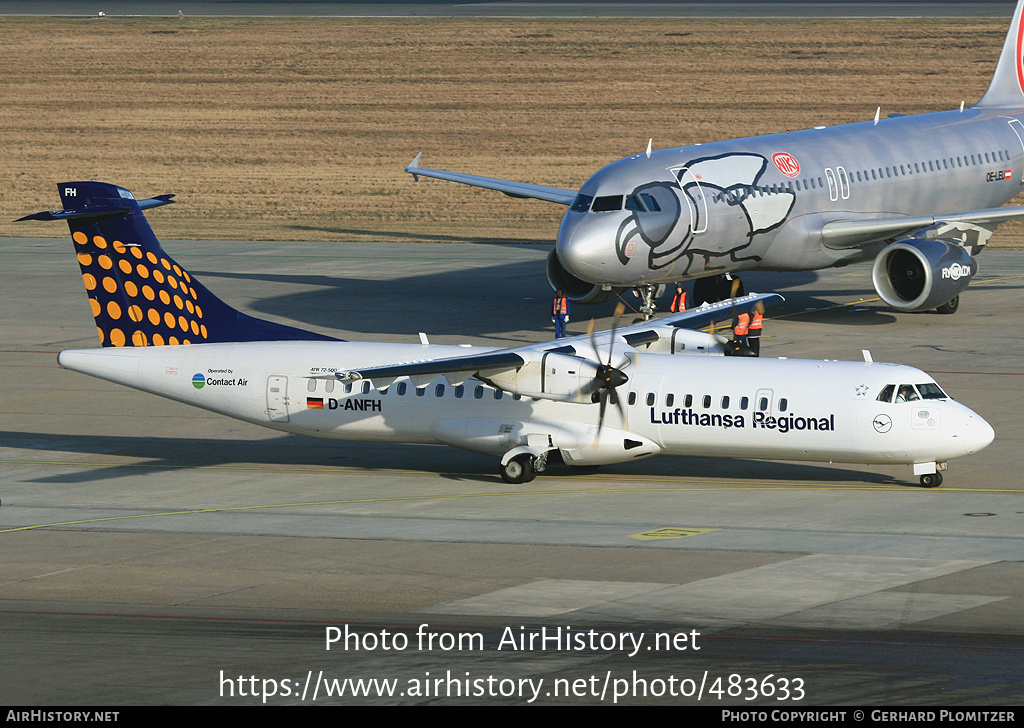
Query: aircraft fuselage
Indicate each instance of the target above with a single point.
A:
(760, 203)
(677, 404)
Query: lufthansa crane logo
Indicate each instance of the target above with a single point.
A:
(882, 423)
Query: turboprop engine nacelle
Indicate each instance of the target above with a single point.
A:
(919, 275)
(555, 376)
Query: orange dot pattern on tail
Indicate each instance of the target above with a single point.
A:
(137, 297)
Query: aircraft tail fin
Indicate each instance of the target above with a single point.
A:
(1007, 85)
(139, 296)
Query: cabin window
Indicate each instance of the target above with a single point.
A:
(401, 388)
(420, 391)
(631, 399)
(478, 393)
(366, 386)
(348, 387)
(497, 394)
(517, 397)
(329, 386)
(762, 404)
(706, 401)
(670, 400)
(886, 394)
(311, 385)
(650, 399)
(439, 390)
(688, 401)
(783, 404)
(383, 391)
(744, 402)
(725, 402)
(459, 391)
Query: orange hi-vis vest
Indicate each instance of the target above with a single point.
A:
(678, 302)
(756, 323)
(742, 324)
(560, 306)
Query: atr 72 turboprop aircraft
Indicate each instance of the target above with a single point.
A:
(920, 195)
(164, 332)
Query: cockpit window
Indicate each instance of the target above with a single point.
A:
(652, 204)
(931, 390)
(607, 204)
(632, 203)
(907, 393)
(886, 395)
(581, 203)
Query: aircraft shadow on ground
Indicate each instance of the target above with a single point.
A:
(464, 302)
(164, 453)
(420, 237)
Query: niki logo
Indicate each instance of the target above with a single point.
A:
(786, 164)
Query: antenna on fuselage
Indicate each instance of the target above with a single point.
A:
(649, 143)
(877, 112)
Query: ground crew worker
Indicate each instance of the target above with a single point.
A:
(754, 330)
(741, 327)
(678, 300)
(560, 313)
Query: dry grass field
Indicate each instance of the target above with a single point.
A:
(300, 128)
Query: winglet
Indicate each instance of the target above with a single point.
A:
(414, 164)
(1007, 86)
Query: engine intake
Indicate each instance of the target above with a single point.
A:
(919, 275)
(576, 289)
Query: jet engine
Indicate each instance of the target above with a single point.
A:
(918, 275)
(576, 289)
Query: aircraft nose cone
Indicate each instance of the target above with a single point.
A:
(978, 434)
(579, 247)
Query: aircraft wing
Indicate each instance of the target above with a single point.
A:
(509, 187)
(850, 233)
(583, 346)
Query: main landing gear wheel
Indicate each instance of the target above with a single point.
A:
(949, 306)
(518, 470)
(931, 480)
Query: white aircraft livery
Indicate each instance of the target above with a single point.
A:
(920, 195)
(615, 396)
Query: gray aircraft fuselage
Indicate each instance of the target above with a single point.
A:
(735, 209)
(920, 195)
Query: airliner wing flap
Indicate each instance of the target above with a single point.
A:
(850, 233)
(509, 187)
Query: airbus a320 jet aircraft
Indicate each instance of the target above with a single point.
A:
(611, 397)
(920, 195)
